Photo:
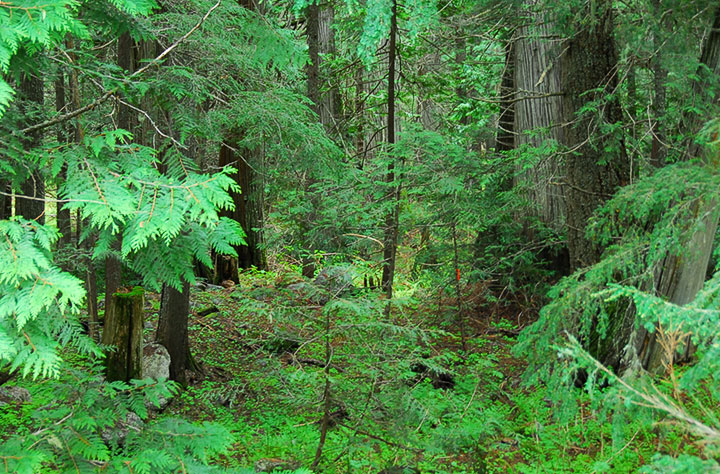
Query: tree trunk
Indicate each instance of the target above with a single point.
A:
(330, 99)
(539, 113)
(63, 215)
(113, 265)
(680, 277)
(596, 165)
(172, 331)
(248, 212)
(124, 330)
(30, 203)
(392, 219)
(5, 200)
(313, 67)
(359, 112)
(658, 152)
(505, 134)
(89, 244)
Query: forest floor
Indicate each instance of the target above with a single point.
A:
(281, 359)
(447, 408)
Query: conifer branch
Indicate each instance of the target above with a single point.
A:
(113, 91)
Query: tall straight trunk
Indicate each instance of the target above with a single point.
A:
(172, 331)
(658, 152)
(393, 217)
(113, 265)
(330, 99)
(248, 213)
(596, 166)
(313, 67)
(320, 40)
(30, 202)
(89, 243)
(359, 111)
(680, 276)
(249, 202)
(63, 215)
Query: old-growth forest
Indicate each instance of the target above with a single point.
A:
(359, 236)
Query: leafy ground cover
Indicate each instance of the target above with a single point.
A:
(411, 398)
(283, 360)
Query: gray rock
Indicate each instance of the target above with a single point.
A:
(156, 365)
(156, 362)
(118, 433)
(275, 464)
(14, 395)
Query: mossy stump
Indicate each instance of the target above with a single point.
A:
(124, 319)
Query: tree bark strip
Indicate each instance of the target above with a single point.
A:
(172, 330)
(539, 112)
(596, 166)
(393, 217)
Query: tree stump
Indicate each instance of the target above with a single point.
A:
(123, 330)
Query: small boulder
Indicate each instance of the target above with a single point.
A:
(14, 395)
(275, 464)
(156, 365)
(118, 434)
(156, 362)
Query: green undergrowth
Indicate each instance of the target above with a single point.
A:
(264, 354)
(284, 359)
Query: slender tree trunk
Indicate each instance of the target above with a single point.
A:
(658, 152)
(392, 220)
(30, 203)
(313, 67)
(63, 215)
(113, 265)
(172, 331)
(596, 166)
(89, 244)
(248, 212)
(359, 115)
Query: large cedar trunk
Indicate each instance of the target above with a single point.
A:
(321, 41)
(539, 113)
(680, 277)
(596, 165)
(30, 202)
(172, 331)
